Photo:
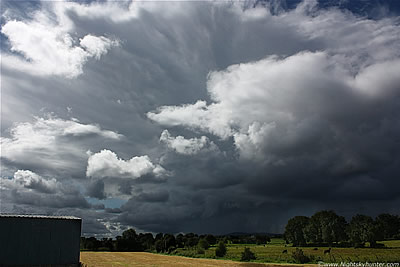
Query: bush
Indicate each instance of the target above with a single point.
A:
(200, 250)
(203, 244)
(247, 255)
(300, 257)
(171, 250)
(220, 251)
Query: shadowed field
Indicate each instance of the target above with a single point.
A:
(116, 259)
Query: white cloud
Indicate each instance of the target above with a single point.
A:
(194, 116)
(116, 11)
(48, 47)
(28, 180)
(125, 11)
(283, 102)
(251, 143)
(96, 46)
(41, 141)
(186, 146)
(262, 108)
(35, 191)
(107, 164)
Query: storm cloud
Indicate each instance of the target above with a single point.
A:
(198, 116)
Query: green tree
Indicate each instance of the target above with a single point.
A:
(389, 225)
(211, 239)
(326, 227)
(169, 242)
(363, 229)
(247, 255)
(203, 243)
(129, 234)
(191, 240)
(220, 251)
(295, 230)
(159, 245)
(146, 240)
(128, 241)
(180, 240)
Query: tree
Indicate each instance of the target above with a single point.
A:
(389, 225)
(128, 241)
(165, 244)
(169, 242)
(326, 227)
(211, 239)
(220, 251)
(191, 240)
(180, 240)
(203, 244)
(295, 230)
(159, 245)
(300, 257)
(159, 236)
(363, 229)
(107, 244)
(129, 234)
(146, 241)
(247, 255)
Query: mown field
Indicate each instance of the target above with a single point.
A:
(272, 252)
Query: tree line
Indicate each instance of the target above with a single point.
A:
(166, 243)
(324, 228)
(327, 228)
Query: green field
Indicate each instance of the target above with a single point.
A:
(272, 252)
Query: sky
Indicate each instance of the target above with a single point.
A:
(199, 116)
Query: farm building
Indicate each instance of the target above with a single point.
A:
(32, 240)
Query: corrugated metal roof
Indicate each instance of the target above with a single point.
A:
(35, 216)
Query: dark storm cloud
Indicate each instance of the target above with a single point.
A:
(161, 196)
(205, 117)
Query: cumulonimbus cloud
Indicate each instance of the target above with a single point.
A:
(275, 104)
(298, 101)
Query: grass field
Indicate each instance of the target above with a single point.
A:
(272, 252)
(127, 259)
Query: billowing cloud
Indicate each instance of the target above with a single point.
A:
(47, 47)
(28, 179)
(51, 142)
(186, 146)
(266, 112)
(107, 164)
(29, 188)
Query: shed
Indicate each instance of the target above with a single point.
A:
(35, 240)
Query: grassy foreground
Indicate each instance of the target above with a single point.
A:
(127, 259)
(272, 252)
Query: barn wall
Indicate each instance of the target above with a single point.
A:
(39, 241)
